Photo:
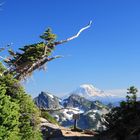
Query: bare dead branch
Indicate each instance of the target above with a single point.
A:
(75, 36)
(26, 69)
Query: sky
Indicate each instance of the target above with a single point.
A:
(106, 55)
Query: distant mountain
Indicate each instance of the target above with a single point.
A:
(90, 112)
(92, 119)
(63, 110)
(91, 93)
(80, 97)
(77, 101)
(47, 100)
(88, 101)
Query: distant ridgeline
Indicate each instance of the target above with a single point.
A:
(62, 110)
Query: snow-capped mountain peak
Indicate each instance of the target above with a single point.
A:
(88, 90)
(50, 95)
(91, 93)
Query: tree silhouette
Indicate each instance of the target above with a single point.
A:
(131, 94)
(123, 121)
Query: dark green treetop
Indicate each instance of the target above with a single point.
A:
(123, 121)
(18, 114)
(132, 94)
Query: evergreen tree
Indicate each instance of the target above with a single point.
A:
(9, 117)
(131, 94)
(35, 56)
(23, 64)
(29, 119)
(18, 114)
(123, 120)
(14, 101)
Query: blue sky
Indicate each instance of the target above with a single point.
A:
(106, 55)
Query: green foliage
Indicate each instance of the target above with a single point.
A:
(12, 86)
(124, 119)
(20, 63)
(1, 68)
(131, 94)
(31, 52)
(9, 117)
(18, 114)
(48, 117)
(48, 36)
(29, 118)
(19, 117)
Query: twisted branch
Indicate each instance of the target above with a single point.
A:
(28, 68)
(75, 36)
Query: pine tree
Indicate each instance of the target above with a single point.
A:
(122, 120)
(35, 56)
(9, 117)
(29, 118)
(21, 63)
(21, 120)
(14, 101)
(131, 94)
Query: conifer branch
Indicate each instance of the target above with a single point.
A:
(34, 66)
(34, 56)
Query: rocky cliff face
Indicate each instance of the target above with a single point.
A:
(63, 110)
(77, 101)
(47, 100)
(83, 97)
